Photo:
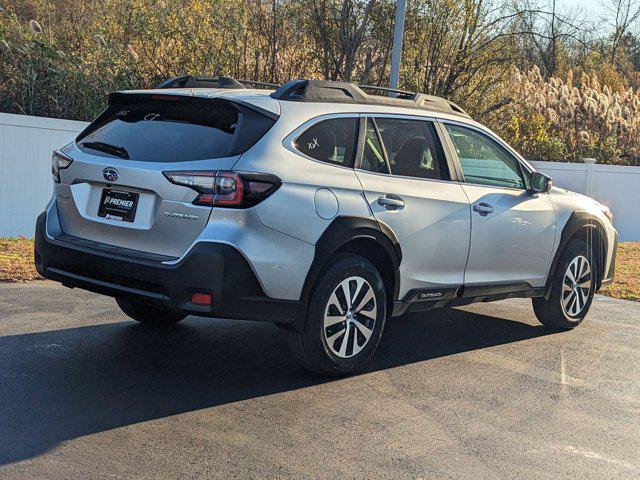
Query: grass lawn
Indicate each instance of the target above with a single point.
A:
(16, 260)
(626, 284)
(16, 265)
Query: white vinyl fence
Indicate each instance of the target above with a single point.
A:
(26, 144)
(615, 186)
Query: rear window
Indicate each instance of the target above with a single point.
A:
(165, 128)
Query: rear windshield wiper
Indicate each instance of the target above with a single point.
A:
(107, 148)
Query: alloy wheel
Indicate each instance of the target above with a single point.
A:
(576, 286)
(350, 317)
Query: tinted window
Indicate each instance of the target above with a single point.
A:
(483, 161)
(332, 141)
(166, 128)
(412, 147)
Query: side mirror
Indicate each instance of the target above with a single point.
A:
(540, 183)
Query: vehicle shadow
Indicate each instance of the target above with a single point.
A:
(63, 384)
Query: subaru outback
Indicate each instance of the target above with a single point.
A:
(314, 205)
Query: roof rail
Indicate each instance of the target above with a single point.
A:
(345, 92)
(259, 84)
(402, 93)
(458, 109)
(323, 91)
(190, 81)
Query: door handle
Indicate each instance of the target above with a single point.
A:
(391, 201)
(483, 209)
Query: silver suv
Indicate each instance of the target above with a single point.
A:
(316, 206)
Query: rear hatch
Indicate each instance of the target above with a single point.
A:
(115, 192)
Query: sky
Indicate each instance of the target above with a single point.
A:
(593, 10)
(590, 6)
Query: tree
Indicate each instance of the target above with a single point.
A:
(340, 29)
(622, 15)
(547, 34)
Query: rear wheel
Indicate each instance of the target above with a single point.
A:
(572, 288)
(345, 320)
(149, 314)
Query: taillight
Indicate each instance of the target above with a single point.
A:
(226, 189)
(59, 161)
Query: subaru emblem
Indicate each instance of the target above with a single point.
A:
(110, 174)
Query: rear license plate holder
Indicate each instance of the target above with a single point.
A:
(118, 205)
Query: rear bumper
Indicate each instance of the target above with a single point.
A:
(214, 268)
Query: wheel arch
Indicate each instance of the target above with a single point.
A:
(585, 226)
(362, 236)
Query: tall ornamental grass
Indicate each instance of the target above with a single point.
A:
(566, 119)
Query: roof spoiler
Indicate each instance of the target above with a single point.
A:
(123, 95)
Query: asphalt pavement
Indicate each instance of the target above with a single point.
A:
(480, 392)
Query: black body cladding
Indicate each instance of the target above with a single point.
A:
(213, 268)
(344, 231)
(591, 229)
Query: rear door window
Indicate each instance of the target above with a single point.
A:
(173, 128)
(331, 141)
(409, 148)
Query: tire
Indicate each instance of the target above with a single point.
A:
(569, 300)
(149, 314)
(337, 340)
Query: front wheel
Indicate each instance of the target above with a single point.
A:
(345, 320)
(149, 314)
(572, 288)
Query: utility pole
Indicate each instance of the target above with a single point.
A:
(396, 51)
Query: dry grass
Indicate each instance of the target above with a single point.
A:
(627, 281)
(16, 265)
(16, 260)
